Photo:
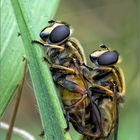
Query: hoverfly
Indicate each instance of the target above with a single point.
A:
(110, 76)
(65, 57)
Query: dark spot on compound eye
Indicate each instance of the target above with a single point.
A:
(44, 35)
(93, 57)
(108, 58)
(59, 34)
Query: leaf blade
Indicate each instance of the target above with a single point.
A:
(39, 71)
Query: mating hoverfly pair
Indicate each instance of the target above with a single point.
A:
(90, 96)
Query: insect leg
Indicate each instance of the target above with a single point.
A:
(101, 75)
(75, 88)
(95, 110)
(76, 125)
(109, 69)
(115, 102)
(60, 79)
(67, 121)
(61, 48)
(64, 69)
(101, 89)
(76, 103)
(81, 129)
(77, 50)
(95, 78)
(89, 68)
(116, 114)
(71, 86)
(40, 42)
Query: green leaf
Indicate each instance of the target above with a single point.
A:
(31, 17)
(11, 55)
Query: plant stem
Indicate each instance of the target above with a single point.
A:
(14, 114)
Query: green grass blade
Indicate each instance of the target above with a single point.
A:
(29, 16)
(11, 55)
(40, 75)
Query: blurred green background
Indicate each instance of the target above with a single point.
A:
(114, 23)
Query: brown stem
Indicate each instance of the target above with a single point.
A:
(19, 92)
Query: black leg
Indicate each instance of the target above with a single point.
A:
(37, 42)
(67, 121)
(116, 114)
(101, 75)
(71, 86)
(75, 88)
(77, 126)
(95, 110)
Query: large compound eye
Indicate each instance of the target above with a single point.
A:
(108, 58)
(44, 35)
(59, 34)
